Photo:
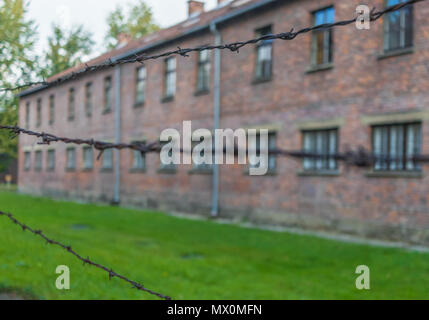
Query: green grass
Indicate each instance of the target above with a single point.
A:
(190, 259)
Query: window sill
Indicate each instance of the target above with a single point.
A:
(256, 81)
(320, 67)
(135, 171)
(201, 92)
(395, 174)
(167, 99)
(70, 119)
(87, 169)
(320, 173)
(395, 53)
(106, 170)
(70, 170)
(270, 173)
(138, 105)
(201, 171)
(38, 170)
(167, 171)
(50, 170)
(107, 111)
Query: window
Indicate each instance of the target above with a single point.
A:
(394, 147)
(264, 52)
(39, 113)
(51, 109)
(398, 27)
(140, 85)
(167, 167)
(27, 115)
(272, 158)
(139, 160)
(38, 160)
(323, 143)
(170, 78)
(71, 107)
(107, 161)
(71, 159)
(203, 166)
(322, 42)
(107, 94)
(51, 160)
(88, 158)
(204, 66)
(88, 99)
(27, 161)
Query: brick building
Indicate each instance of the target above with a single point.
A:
(322, 92)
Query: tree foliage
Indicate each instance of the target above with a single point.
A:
(66, 48)
(17, 63)
(137, 21)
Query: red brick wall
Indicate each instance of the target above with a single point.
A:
(359, 84)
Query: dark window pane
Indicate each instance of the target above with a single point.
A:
(324, 144)
(395, 147)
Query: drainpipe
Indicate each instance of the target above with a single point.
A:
(117, 188)
(216, 116)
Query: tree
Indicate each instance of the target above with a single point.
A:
(137, 22)
(66, 48)
(16, 64)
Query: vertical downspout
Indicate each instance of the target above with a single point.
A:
(117, 188)
(216, 116)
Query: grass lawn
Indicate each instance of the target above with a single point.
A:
(189, 259)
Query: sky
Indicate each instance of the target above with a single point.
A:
(93, 13)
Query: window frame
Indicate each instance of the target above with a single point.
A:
(39, 113)
(88, 99)
(271, 133)
(68, 151)
(107, 166)
(402, 29)
(108, 94)
(166, 168)
(51, 109)
(259, 64)
(167, 73)
(27, 160)
(405, 160)
(204, 67)
(49, 153)
(84, 163)
(328, 45)
(27, 114)
(313, 168)
(38, 160)
(140, 80)
(142, 156)
(71, 110)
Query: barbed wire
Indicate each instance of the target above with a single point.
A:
(233, 47)
(86, 261)
(358, 158)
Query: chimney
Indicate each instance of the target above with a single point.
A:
(195, 7)
(124, 38)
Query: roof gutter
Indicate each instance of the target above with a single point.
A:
(216, 22)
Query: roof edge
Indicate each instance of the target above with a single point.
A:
(225, 18)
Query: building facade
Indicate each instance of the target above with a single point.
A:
(322, 92)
